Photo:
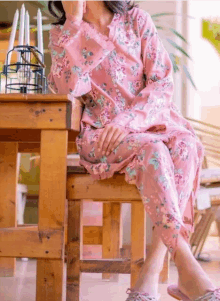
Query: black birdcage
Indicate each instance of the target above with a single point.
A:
(24, 76)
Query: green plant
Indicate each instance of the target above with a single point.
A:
(176, 60)
(211, 32)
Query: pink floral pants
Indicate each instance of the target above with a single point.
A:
(166, 174)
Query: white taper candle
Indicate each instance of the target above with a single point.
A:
(27, 32)
(40, 32)
(12, 36)
(21, 29)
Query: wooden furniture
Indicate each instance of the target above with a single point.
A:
(47, 124)
(209, 135)
(92, 234)
(112, 192)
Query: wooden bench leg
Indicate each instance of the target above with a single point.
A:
(74, 249)
(164, 274)
(138, 239)
(111, 234)
(138, 244)
(205, 232)
(8, 198)
(52, 200)
(200, 230)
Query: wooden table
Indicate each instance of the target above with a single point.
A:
(47, 124)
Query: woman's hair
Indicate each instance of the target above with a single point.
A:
(120, 7)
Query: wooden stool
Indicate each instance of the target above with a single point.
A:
(112, 192)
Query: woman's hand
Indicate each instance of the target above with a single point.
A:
(110, 138)
(75, 8)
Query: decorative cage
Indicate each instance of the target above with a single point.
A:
(25, 76)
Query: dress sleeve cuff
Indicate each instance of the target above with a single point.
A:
(83, 86)
(87, 30)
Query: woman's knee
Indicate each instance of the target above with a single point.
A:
(184, 146)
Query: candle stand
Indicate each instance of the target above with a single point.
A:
(24, 76)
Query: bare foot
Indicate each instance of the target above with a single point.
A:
(148, 284)
(183, 289)
(195, 287)
(193, 280)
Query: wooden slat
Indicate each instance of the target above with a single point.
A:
(19, 135)
(74, 249)
(111, 189)
(8, 197)
(111, 234)
(29, 147)
(35, 115)
(49, 279)
(92, 235)
(215, 200)
(205, 132)
(29, 135)
(119, 266)
(200, 228)
(30, 226)
(138, 239)
(206, 232)
(210, 180)
(202, 123)
(107, 235)
(19, 97)
(77, 170)
(31, 243)
(52, 194)
(51, 209)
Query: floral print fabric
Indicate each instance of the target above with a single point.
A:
(126, 79)
(165, 169)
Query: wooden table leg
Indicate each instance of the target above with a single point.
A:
(74, 249)
(164, 274)
(138, 239)
(52, 201)
(8, 198)
(111, 234)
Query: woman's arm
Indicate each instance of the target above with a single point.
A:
(75, 52)
(152, 105)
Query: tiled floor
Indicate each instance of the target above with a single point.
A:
(93, 288)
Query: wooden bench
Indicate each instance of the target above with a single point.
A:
(49, 124)
(112, 192)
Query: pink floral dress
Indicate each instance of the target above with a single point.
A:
(126, 79)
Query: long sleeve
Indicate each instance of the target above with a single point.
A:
(75, 51)
(151, 106)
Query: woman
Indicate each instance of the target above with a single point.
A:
(109, 55)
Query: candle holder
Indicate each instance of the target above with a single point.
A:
(24, 76)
